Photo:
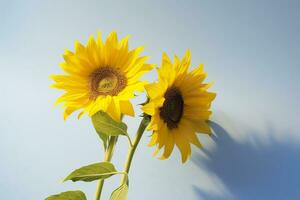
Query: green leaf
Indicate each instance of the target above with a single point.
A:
(93, 172)
(104, 139)
(104, 124)
(120, 193)
(69, 195)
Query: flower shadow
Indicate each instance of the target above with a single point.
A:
(249, 171)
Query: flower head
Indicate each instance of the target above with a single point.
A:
(179, 106)
(101, 76)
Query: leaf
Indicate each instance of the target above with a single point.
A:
(104, 139)
(69, 195)
(120, 193)
(104, 124)
(93, 172)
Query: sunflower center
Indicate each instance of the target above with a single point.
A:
(106, 81)
(172, 109)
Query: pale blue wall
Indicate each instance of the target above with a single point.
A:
(250, 50)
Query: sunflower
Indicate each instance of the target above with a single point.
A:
(179, 106)
(101, 76)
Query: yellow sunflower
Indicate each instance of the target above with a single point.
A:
(101, 76)
(179, 106)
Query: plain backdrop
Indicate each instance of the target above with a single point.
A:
(250, 50)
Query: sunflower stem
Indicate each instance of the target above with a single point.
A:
(107, 157)
(130, 142)
(144, 123)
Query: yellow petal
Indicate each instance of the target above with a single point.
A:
(129, 90)
(198, 71)
(183, 145)
(131, 58)
(195, 113)
(68, 111)
(149, 108)
(123, 45)
(155, 123)
(186, 61)
(192, 138)
(177, 62)
(168, 147)
(114, 109)
(156, 151)
(80, 114)
(162, 135)
(136, 66)
(79, 48)
(127, 108)
(92, 51)
(202, 126)
(112, 40)
(70, 97)
(153, 139)
(101, 103)
(153, 90)
(165, 60)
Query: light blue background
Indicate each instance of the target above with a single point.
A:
(251, 51)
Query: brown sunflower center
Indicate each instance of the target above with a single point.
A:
(106, 81)
(172, 109)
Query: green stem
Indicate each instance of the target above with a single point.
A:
(107, 157)
(132, 149)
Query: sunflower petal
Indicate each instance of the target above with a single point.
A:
(127, 108)
(182, 145)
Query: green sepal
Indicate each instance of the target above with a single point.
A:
(93, 172)
(147, 101)
(69, 195)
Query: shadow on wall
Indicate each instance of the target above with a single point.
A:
(250, 172)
